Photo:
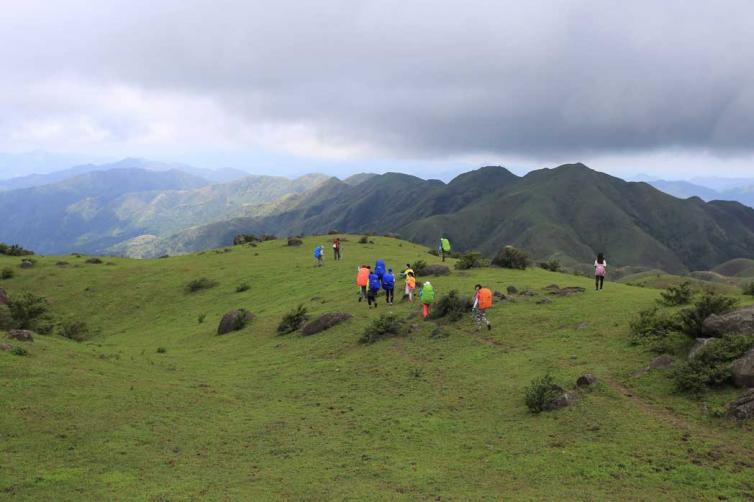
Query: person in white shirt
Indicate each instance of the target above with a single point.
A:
(600, 271)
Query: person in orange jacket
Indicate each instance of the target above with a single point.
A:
(482, 301)
(362, 281)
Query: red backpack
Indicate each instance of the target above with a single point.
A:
(485, 298)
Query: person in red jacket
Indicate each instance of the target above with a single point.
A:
(482, 301)
(362, 281)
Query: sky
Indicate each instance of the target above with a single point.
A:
(342, 86)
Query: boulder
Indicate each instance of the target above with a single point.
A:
(6, 347)
(436, 270)
(567, 291)
(698, 346)
(22, 335)
(27, 264)
(743, 370)
(738, 322)
(3, 297)
(563, 400)
(662, 362)
(543, 301)
(499, 295)
(234, 320)
(324, 322)
(586, 380)
(512, 290)
(743, 407)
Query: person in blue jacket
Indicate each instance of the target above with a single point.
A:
(374, 288)
(319, 256)
(388, 284)
(379, 268)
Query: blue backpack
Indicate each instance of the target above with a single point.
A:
(374, 281)
(318, 252)
(388, 281)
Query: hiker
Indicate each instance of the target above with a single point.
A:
(410, 285)
(388, 284)
(427, 296)
(404, 274)
(600, 271)
(362, 281)
(444, 247)
(482, 301)
(379, 268)
(319, 256)
(374, 287)
(336, 248)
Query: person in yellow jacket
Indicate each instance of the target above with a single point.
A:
(410, 286)
(405, 274)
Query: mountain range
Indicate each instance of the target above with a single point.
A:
(570, 212)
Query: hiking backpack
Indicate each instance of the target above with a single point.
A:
(428, 294)
(485, 298)
(445, 245)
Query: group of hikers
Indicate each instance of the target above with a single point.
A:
(371, 281)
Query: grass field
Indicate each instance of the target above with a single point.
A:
(256, 416)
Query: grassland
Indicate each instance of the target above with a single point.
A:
(256, 416)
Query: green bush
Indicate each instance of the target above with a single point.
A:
(19, 351)
(451, 307)
(28, 310)
(419, 267)
(711, 366)
(14, 250)
(552, 265)
(510, 257)
(385, 326)
(7, 273)
(201, 318)
(692, 318)
(74, 330)
(470, 259)
(294, 241)
(363, 239)
(748, 289)
(293, 320)
(200, 284)
(242, 287)
(161, 350)
(652, 325)
(541, 391)
(94, 261)
(677, 295)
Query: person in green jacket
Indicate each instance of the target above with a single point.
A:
(427, 296)
(444, 247)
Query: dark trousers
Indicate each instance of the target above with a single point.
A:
(372, 296)
(389, 294)
(599, 280)
(336, 253)
(362, 292)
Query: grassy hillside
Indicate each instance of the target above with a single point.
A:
(740, 267)
(256, 416)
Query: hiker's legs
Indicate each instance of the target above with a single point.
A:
(480, 316)
(425, 310)
(596, 282)
(362, 292)
(389, 293)
(411, 295)
(443, 255)
(602, 281)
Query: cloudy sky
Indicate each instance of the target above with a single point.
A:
(284, 86)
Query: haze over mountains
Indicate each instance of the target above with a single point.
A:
(145, 209)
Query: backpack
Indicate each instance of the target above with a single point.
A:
(485, 298)
(428, 294)
(445, 245)
(317, 252)
(388, 281)
(600, 270)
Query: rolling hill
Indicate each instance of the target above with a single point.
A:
(570, 212)
(155, 405)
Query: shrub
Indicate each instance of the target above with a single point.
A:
(436, 269)
(333, 232)
(19, 351)
(7, 273)
(419, 267)
(692, 318)
(200, 284)
(470, 259)
(294, 241)
(268, 237)
(510, 257)
(6, 319)
(552, 265)
(385, 326)
(161, 350)
(293, 320)
(749, 289)
(244, 239)
(14, 250)
(677, 295)
(363, 239)
(94, 261)
(74, 330)
(652, 325)
(452, 307)
(391, 235)
(242, 287)
(711, 366)
(541, 391)
(28, 310)
(201, 318)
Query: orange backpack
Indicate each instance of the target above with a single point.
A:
(362, 278)
(485, 298)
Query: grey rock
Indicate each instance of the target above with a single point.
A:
(743, 370)
(6, 347)
(586, 380)
(22, 335)
(234, 320)
(563, 400)
(743, 407)
(512, 290)
(698, 346)
(738, 322)
(324, 322)
(662, 362)
(27, 264)
(543, 301)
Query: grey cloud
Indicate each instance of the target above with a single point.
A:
(435, 78)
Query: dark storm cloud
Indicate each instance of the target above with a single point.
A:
(422, 77)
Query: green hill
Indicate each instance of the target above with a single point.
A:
(741, 267)
(156, 406)
(570, 212)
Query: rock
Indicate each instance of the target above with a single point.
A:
(738, 322)
(563, 400)
(294, 241)
(543, 301)
(586, 380)
(22, 335)
(26, 264)
(3, 297)
(436, 270)
(512, 290)
(324, 322)
(568, 291)
(6, 347)
(661, 362)
(234, 320)
(527, 292)
(698, 346)
(743, 407)
(743, 370)
(553, 287)
(499, 295)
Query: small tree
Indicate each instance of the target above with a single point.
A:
(293, 320)
(691, 319)
(677, 295)
(541, 391)
(511, 257)
(552, 265)
(27, 310)
(470, 259)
